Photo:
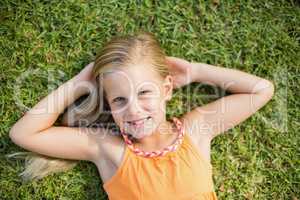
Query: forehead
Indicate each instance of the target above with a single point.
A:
(118, 80)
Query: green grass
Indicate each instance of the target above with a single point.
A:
(258, 159)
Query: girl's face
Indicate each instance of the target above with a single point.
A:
(137, 97)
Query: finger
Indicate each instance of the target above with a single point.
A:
(177, 61)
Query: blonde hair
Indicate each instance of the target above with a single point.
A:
(119, 51)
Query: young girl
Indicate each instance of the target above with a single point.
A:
(143, 155)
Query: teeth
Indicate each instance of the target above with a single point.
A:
(139, 122)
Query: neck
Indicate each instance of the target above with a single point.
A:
(162, 137)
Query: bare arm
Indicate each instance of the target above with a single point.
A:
(35, 130)
(250, 93)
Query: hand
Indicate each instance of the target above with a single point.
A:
(85, 77)
(181, 70)
(86, 73)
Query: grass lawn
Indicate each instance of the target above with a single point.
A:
(44, 43)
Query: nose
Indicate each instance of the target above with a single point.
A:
(133, 108)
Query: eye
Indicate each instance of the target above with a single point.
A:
(118, 99)
(144, 91)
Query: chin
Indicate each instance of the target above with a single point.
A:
(140, 135)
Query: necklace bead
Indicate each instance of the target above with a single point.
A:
(162, 152)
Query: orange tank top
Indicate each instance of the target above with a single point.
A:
(182, 174)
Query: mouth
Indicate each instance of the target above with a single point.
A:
(139, 121)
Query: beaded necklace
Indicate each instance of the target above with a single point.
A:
(162, 152)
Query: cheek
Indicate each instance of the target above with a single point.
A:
(118, 109)
(118, 119)
(154, 105)
(117, 115)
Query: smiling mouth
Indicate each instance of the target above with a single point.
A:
(138, 122)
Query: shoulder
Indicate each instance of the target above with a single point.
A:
(195, 127)
(198, 135)
(110, 147)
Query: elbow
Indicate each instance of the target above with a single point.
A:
(265, 88)
(18, 137)
(15, 134)
(12, 131)
(270, 89)
(15, 130)
(268, 93)
(12, 134)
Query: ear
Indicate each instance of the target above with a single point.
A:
(168, 87)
